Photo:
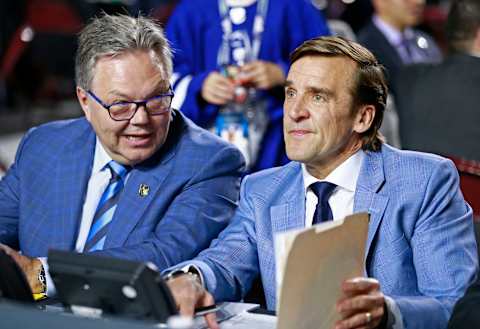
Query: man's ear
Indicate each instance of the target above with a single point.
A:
(83, 99)
(364, 118)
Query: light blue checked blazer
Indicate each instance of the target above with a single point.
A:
(420, 246)
(193, 181)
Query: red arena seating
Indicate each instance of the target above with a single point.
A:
(469, 171)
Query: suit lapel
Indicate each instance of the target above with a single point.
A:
(73, 173)
(289, 212)
(367, 198)
(133, 203)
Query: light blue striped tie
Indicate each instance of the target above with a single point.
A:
(106, 207)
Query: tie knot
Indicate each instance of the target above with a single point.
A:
(118, 170)
(323, 190)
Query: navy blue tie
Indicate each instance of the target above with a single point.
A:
(408, 45)
(323, 212)
(106, 207)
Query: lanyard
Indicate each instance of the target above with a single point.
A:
(258, 28)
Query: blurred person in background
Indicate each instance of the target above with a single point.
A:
(438, 106)
(393, 39)
(231, 57)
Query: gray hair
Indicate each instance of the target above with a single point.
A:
(111, 35)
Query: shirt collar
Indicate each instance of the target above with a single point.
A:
(393, 35)
(344, 176)
(101, 158)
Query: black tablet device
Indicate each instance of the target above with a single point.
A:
(13, 284)
(110, 286)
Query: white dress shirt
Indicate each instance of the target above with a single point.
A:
(98, 182)
(345, 176)
(341, 201)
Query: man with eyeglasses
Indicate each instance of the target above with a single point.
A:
(134, 179)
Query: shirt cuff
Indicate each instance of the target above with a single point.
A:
(394, 316)
(189, 268)
(51, 291)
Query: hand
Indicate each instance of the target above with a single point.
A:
(362, 304)
(262, 74)
(189, 293)
(217, 89)
(30, 266)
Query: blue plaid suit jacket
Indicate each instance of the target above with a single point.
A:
(193, 180)
(420, 246)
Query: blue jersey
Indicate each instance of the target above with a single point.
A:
(195, 33)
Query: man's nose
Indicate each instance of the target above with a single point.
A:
(141, 116)
(297, 109)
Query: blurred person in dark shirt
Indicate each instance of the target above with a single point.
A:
(438, 103)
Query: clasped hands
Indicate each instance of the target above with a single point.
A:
(361, 306)
(218, 89)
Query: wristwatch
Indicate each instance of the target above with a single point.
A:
(42, 279)
(188, 270)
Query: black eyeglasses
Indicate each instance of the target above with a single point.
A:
(124, 111)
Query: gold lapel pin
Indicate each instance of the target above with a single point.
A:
(143, 190)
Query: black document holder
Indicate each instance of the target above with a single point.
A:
(114, 286)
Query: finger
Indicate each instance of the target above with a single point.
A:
(216, 76)
(361, 320)
(216, 80)
(252, 71)
(262, 82)
(267, 76)
(218, 90)
(187, 307)
(221, 88)
(6, 248)
(359, 303)
(357, 286)
(210, 318)
(250, 67)
(220, 81)
(186, 293)
(215, 97)
(18, 258)
(211, 321)
(218, 98)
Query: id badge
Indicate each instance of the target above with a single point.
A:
(233, 128)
